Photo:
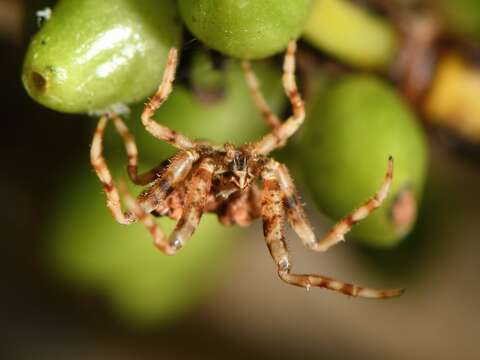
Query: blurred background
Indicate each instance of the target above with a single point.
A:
(76, 285)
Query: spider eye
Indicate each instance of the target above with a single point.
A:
(239, 162)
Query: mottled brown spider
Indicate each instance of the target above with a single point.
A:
(204, 177)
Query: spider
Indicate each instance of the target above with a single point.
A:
(223, 179)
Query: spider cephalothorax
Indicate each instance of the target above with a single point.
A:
(242, 165)
(204, 177)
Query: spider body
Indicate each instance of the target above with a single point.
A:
(239, 184)
(233, 192)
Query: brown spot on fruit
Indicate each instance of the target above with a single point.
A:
(39, 82)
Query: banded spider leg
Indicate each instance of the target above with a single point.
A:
(171, 174)
(280, 199)
(197, 194)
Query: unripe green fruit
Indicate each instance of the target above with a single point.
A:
(93, 54)
(248, 29)
(89, 250)
(350, 132)
(351, 33)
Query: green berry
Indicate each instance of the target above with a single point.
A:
(350, 132)
(248, 28)
(351, 33)
(93, 54)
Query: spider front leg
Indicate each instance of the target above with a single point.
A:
(175, 172)
(279, 135)
(197, 194)
(299, 222)
(273, 215)
(159, 131)
(132, 153)
(271, 119)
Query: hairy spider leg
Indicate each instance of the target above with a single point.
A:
(197, 194)
(271, 119)
(132, 153)
(100, 166)
(160, 131)
(151, 198)
(146, 219)
(273, 215)
(300, 224)
(176, 172)
(196, 198)
(278, 136)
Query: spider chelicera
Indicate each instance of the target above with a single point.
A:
(224, 179)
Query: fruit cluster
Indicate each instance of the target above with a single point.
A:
(92, 57)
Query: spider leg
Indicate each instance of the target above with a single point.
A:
(273, 215)
(337, 233)
(196, 199)
(271, 119)
(175, 172)
(278, 136)
(99, 164)
(159, 131)
(132, 153)
(197, 194)
(147, 220)
(299, 221)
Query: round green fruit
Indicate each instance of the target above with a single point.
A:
(89, 250)
(93, 54)
(245, 29)
(350, 133)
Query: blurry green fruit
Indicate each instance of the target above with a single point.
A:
(463, 16)
(248, 29)
(217, 108)
(350, 133)
(91, 251)
(351, 33)
(93, 54)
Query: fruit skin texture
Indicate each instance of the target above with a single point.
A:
(93, 54)
(248, 29)
(350, 132)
